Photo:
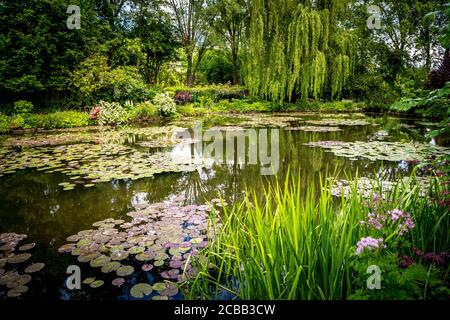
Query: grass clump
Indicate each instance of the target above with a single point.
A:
(306, 244)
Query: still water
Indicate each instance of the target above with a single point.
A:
(33, 203)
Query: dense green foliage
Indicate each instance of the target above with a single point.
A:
(301, 244)
(289, 51)
(295, 47)
(56, 120)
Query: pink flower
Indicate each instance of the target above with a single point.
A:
(370, 244)
(396, 214)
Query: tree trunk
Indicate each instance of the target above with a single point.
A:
(234, 61)
(189, 73)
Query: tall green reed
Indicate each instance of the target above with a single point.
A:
(298, 244)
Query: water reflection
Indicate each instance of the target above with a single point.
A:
(33, 203)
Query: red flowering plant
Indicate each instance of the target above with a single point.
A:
(183, 97)
(95, 112)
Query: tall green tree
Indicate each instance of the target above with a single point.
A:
(229, 25)
(192, 19)
(38, 51)
(296, 49)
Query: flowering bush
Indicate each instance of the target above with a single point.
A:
(386, 225)
(95, 113)
(111, 113)
(165, 105)
(370, 244)
(403, 275)
(183, 97)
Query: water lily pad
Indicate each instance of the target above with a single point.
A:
(196, 240)
(35, 267)
(118, 282)
(76, 252)
(170, 291)
(124, 271)
(67, 248)
(18, 281)
(159, 286)
(141, 290)
(83, 258)
(381, 150)
(100, 261)
(158, 263)
(19, 258)
(144, 257)
(111, 267)
(74, 238)
(147, 267)
(136, 250)
(27, 247)
(88, 280)
(17, 292)
(119, 255)
(97, 284)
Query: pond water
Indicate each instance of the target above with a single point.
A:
(48, 207)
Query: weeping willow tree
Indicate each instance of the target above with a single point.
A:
(296, 49)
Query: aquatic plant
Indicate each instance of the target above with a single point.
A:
(300, 244)
(161, 239)
(12, 259)
(386, 151)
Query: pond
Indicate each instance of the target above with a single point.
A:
(55, 184)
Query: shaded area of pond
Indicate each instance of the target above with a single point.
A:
(33, 203)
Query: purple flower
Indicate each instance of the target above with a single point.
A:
(369, 243)
(406, 262)
(396, 214)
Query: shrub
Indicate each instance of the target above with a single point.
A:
(165, 105)
(214, 92)
(143, 110)
(4, 123)
(95, 80)
(111, 113)
(56, 120)
(183, 97)
(344, 105)
(247, 106)
(190, 110)
(17, 122)
(22, 107)
(435, 104)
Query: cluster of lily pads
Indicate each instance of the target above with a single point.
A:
(385, 151)
(314, 129)
(13, 257)
(102, 135)
(368, 188)
(162, 239)
(338, 122)
(87, 164)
